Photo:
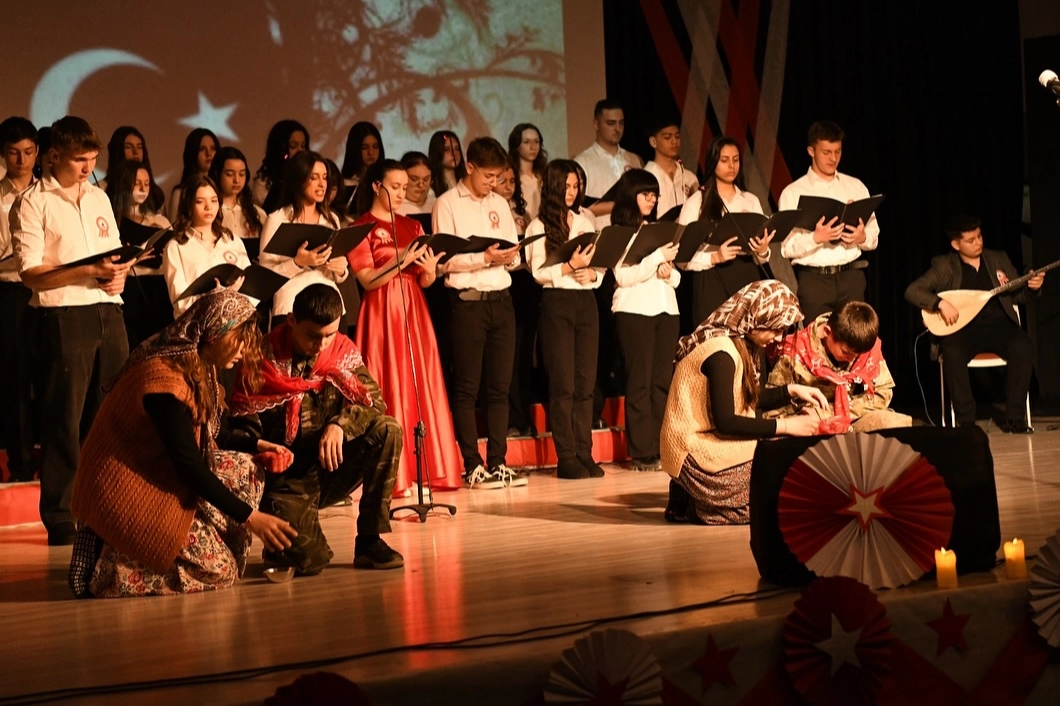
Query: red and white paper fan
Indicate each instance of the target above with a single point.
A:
(1045, 591)
(606, 667)
(837, 643)
(865, 506)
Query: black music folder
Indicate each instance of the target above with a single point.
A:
(290, 236)
(816, 207)
(650, 238)
(695, 234)
(259, 282)
(744, 226)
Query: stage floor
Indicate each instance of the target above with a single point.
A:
(514, 577)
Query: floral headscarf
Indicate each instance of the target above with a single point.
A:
(765, 304)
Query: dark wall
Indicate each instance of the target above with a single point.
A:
(929, 95)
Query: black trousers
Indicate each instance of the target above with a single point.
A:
(78, 350)
(298, 493)
(147, 307)
(16, 389)
(483, 337)
(820, 293)
(648, 347)
(570, 332)
(526, 302)
(1002, 337)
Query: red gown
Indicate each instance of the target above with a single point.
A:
(381, 338)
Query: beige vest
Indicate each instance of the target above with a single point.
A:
(688, 426)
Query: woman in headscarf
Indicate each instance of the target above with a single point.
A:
(161, 509)
(710, 427)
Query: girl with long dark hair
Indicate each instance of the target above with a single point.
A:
(569, 324)
(447, 161)
(128, 143)
(201, 242)
(200, 146)
(719, 273)
(286, 139)
(303, 200)
(364, 147)
(646, 321)
(526, 150)
(239, 214)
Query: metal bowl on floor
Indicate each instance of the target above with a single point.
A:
(280, 574)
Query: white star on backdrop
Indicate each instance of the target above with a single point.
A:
(212, 118)
(865, 506)
(840, 646)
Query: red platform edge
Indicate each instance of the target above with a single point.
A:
(19, 502)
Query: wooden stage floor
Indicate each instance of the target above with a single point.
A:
(514, 577)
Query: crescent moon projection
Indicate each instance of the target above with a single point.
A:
(51, 97)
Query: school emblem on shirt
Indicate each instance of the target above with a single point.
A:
(104, 227)
(382, 235)
(1002, 278)
(230, 257)
(495, 220)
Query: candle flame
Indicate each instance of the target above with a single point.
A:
(1015, 540)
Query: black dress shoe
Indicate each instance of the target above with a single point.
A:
(571, 469)
(1015, 426)
(594, 468)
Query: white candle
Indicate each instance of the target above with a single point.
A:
(1015, 560)
(945, 568)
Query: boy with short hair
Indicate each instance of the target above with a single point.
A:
(839, 354)
(676, 183)
(482, 323)
(81, 334)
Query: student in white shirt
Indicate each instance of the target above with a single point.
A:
(647, 321)
(420, 196)
(200, 146)
(447, 161)
(201, 243)
(18, 144)
(80, 333)
(146, 302)
(286, 139)
(826, 259)
(526, 150)
(482, 322)
(720, 272)
(605, 160)
(364, 147)
(239, 213)
(569, 325)
(303, 200)
(676, 183)
(128, 143)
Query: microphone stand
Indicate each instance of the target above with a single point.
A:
(420, 430)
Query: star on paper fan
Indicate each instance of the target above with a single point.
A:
(865, 506)
(840, 646)
(714, 665)
(608, 694)
(212, 118)
(950, 628)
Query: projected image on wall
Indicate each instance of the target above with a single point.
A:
(411, 67)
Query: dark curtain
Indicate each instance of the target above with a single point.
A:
(929, 95)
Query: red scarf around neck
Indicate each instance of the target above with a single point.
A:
(336, 365)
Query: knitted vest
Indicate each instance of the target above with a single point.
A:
(126, 488)
(688, 426)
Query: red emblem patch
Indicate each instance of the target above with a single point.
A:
(495, 220)
(1002, 278)
(104, 227)
(230, 257)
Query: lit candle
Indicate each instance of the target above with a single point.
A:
(1015, 562)
(945, 568)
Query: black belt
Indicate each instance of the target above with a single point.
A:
(475, 295)
(835, 269)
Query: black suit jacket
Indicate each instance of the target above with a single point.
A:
(945, 274)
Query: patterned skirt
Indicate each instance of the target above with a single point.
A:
(720, 498)
(213, 557)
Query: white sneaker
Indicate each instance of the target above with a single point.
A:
(479, 477)
(511, 478)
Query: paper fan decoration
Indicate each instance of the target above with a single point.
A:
(1045, 591)
(867, 507)
(604, 668)
(837, 643)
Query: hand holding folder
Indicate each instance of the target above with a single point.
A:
(290, 238)
(814, 208)
(257, 281)
(128, 253)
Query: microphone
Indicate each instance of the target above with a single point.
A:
(1049, 80)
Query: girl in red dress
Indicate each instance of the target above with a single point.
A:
(381, 329)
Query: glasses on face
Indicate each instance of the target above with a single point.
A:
(650, 195)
